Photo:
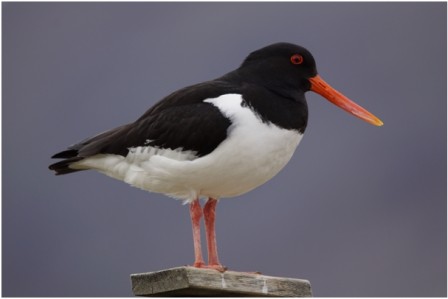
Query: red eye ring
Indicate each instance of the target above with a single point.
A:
(296, 59)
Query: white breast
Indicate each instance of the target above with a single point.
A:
(252, 153)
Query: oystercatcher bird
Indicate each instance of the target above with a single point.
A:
(215, 139)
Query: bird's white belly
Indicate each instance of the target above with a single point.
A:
(252, 153)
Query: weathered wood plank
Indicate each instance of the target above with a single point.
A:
(190, 281)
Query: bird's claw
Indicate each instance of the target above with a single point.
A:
(216, 267)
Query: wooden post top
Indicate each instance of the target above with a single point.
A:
(193, 282)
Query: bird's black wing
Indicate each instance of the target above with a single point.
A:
(181, 120)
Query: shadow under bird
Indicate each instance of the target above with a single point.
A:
(215, 139)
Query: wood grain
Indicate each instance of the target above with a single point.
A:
(190, 281)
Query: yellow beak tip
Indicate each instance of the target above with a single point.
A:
(379, 123)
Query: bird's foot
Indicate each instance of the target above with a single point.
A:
(216, 267)
(199, 264)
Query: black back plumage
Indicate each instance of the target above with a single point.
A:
(183, 120)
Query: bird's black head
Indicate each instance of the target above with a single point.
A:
(281, 65)
(290, 70)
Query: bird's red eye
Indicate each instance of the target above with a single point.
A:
(296, 59)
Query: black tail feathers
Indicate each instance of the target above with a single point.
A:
(97, 144)
(63, 167)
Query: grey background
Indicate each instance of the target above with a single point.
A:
(359, 210)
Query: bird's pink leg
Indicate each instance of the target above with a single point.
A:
(196, 215)
(209, 216)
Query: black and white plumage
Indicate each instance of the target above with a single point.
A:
(215, 139)
(241, 123)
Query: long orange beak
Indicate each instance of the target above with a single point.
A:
(318, 85)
